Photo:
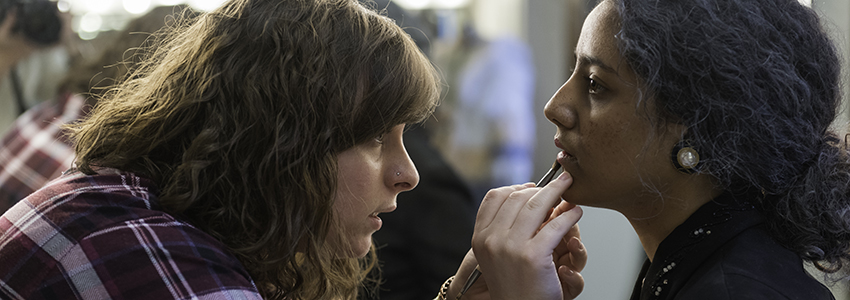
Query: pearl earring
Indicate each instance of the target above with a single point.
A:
(685, 157)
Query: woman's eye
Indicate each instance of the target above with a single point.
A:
(593, 86)
(380, 138)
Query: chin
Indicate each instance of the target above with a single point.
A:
(577, 197)
(571, 196)
(360, 247)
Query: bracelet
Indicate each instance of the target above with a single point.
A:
(444, 290)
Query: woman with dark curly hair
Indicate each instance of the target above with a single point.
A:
(249, 156)
(706, 124)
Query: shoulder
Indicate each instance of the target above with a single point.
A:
(753, 266)
(104, 238)
(163, 258)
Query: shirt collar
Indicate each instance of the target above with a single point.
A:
(692, 242)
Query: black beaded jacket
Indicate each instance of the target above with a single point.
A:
(723, 251)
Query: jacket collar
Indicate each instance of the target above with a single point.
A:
(691, 243)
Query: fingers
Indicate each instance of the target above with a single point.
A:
(516, 213)
(492, 204)
(578, 254)
(534, 211)
(561, 208)
(572, 282)
(551, 235)
(514, 249)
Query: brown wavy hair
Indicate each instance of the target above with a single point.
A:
(239, 117)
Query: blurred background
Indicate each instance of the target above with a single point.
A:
(502, 60)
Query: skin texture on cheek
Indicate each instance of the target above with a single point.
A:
(367, 186)
(356, 176)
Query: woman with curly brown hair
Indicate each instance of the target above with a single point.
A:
(249, 156)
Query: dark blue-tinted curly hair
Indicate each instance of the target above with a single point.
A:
(756, 82)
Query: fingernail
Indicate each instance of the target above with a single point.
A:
(564, 176)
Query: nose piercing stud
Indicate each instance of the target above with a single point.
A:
(397, 173)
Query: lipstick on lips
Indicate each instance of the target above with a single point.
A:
(563, 156)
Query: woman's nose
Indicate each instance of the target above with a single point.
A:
(559, 110)
(404, 176)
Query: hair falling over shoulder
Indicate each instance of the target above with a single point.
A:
(757, 84)
(239, 116)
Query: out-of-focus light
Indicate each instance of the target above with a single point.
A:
(807, 3)
(205, 5)
(413, 4)
(449, 4)
(90, 22)
(63, 6)
(137, 7)
(171, 2)
(85, 35)
(98, 6)
(115, 25)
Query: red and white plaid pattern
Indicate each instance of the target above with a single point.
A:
(34, 150)
(105, 237)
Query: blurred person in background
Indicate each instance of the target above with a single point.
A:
(486, 124)
(36, 47)
(35, 150)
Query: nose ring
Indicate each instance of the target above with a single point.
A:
(397, 173)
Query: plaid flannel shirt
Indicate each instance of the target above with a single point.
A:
(34, 150)
(105, 237)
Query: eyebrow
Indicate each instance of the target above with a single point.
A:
(594, 61)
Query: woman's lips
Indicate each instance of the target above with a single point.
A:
(565, 157)
(376, 220)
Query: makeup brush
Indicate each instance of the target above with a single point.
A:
(477, 272)
(549, 175)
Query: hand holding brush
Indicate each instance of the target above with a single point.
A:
(514, 217)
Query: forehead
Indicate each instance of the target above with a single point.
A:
(597, 39)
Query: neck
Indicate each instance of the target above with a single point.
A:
(654, 219)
